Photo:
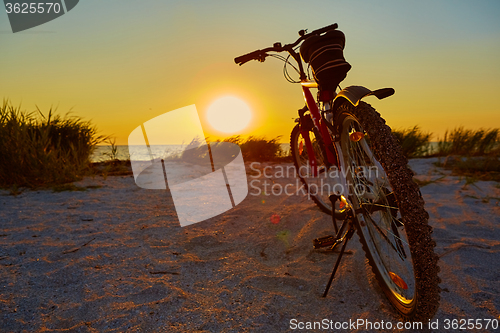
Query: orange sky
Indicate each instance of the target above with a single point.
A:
(121, 63)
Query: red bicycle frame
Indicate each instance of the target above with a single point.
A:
(318, 121)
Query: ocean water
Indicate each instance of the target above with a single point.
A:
(102, 153)
(141, 153)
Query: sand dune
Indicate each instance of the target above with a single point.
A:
(114, 259)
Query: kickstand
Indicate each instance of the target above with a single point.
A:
(333, 198)
(346, 238)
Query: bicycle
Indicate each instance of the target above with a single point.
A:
(342, 142)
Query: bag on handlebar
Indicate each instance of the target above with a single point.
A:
(325, 54)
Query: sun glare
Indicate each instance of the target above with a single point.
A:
(229, 114)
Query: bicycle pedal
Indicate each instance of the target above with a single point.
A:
(324, 241)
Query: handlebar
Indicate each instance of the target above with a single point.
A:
(258, 54)
(262, 54)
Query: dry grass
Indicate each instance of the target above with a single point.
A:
(40, 150)
(463, 142)
(473, 167)
(413, 141)
(259, 148)
(474, 154)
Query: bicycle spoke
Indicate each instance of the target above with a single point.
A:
(379, 229)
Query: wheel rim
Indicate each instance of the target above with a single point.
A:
(380, 221)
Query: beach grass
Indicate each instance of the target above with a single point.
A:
(473, 167)
(43, 149)
(260, 149)
(112, 166)
(414, 142)
(459, 141)
(253, 149)
(464, 142)
(474, 154)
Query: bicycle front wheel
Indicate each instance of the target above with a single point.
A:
(392, 223)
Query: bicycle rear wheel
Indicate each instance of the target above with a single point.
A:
(391, 221)
(317, 186)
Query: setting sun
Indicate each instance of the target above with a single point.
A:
(229, 114)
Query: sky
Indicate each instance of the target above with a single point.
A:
(120, 63)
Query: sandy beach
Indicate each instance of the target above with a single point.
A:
(113, 258)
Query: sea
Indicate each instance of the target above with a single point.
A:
(142, 153)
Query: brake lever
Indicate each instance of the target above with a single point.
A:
(262, 57)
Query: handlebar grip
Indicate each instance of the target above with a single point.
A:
(247, 57)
